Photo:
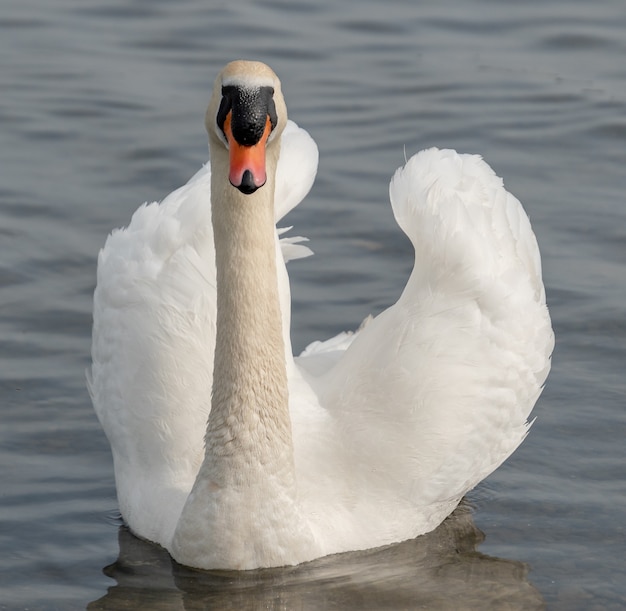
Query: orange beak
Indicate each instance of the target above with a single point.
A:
(247, 162)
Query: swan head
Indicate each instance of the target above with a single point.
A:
(245, 118)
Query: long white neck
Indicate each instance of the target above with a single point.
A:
(243, 511)
(250, 404)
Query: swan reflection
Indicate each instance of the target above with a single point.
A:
(439, 570)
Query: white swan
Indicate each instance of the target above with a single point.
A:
(363, 440)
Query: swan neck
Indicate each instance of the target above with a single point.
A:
(243, 510)
(249, 408)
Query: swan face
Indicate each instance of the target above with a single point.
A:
(246, 114)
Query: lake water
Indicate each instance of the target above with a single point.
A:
(101, 108)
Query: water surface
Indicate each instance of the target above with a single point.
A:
(102, 108)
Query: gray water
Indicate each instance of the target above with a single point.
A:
(101, 109)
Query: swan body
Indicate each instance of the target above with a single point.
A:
(230, 452)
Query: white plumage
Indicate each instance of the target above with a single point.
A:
(391, 426)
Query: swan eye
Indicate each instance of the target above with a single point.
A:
(250, 108)
(224, 109)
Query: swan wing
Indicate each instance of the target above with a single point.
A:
(295, 173)
(296, 170)
(435, 392)
(150, 379)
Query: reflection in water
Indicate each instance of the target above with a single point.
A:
(440, 570)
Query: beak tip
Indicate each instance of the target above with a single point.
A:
(248, 184)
